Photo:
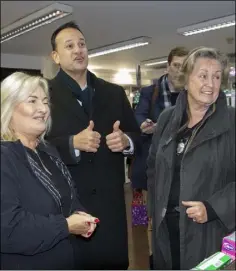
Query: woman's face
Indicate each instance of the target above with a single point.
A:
(204, 82)
(30, 116)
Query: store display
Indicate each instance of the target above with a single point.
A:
(139, 210)
(229, 245)
(215, 262)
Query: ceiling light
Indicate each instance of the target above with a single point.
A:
(154, 61)
(119, 46)
(35, 20)
(207, 26)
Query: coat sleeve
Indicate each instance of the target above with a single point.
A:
(143, 107)
(23, 232)
(223, 201)
(129, 124)
(151, 160)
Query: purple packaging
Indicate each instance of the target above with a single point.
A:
(229, 245)
(139, 215)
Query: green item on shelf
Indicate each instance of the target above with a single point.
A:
(136, 97)
(215, 262)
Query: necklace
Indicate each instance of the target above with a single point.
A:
(42, 163)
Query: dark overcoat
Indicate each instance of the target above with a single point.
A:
(100, 176)
(207, 174)
(34, 232)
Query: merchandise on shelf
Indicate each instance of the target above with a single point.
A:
(229, 245)
(215, 262)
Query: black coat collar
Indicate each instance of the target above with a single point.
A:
(18, 148)
(62, 94)
(221, 113)
(213, 125)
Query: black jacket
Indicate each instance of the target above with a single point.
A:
(207, 174)
(34, 233)
(99, 177)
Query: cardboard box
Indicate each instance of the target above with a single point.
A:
(215, 262)
(228, 245)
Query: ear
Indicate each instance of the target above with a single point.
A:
(168, 68)
(55, 57)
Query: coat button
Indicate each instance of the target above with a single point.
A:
(90, 160)
(94, 191)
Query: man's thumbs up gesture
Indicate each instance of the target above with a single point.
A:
(87, 140)
(117, 141)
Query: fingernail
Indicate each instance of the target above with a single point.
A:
(88, 223)
(96, 220)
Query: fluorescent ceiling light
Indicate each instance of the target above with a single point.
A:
(35, 20)
(154, 61)
(119, 46)
(207, 26)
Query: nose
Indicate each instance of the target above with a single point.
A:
(209, 82)
(77, 49)
(42, 107)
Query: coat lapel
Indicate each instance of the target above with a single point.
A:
(100, 101)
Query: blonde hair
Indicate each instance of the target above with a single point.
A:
(202, 52)
(15, 89)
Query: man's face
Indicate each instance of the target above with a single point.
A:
(174, 68)
(71, 52)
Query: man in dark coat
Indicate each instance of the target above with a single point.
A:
(93, 127)
(153, 100)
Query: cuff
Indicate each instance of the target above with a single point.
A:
(131, 148)
(211, 214)
(74, 152)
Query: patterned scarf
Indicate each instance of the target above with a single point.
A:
(165, 94)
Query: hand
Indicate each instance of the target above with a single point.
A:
(81, 223)
(196, 210)
(87, 140)
(147, 127)
(91, 225)
(117, 141)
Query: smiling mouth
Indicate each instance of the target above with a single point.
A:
(207, 92)
(40, 119)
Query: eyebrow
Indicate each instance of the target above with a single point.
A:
(36, 97)
(81, 39)
(207, 70)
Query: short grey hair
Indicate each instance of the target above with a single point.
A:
(202, 52)
(15, 89)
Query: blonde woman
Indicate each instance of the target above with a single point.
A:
(191, 167)
(40, 214)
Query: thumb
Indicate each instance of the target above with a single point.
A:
(189, 203)
(116, 126)
(91, 125)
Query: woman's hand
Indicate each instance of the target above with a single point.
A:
(196, 210)
(81, 223)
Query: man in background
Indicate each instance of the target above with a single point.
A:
(153, 100)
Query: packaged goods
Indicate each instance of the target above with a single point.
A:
(228, 245)
(215, 262)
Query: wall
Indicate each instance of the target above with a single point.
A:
(21, 61)
(49, 69)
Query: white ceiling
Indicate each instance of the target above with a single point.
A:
(106, 22)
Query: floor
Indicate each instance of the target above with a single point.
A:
(137, 235)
